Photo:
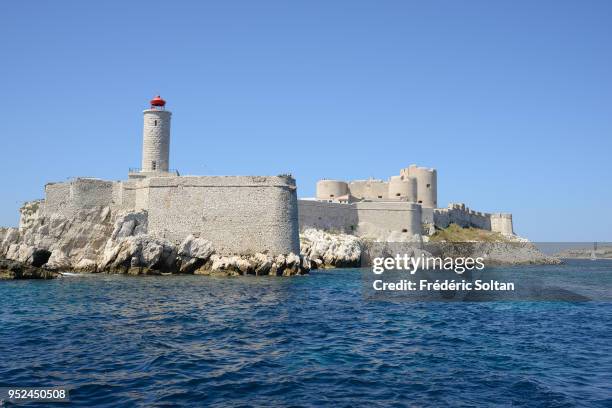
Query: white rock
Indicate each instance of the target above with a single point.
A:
(196, 248)
(324, 248)
(58, 261)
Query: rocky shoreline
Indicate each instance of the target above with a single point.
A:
(603, 252)
(10, 269)
(97, 241)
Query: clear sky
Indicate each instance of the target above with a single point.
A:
(510, 100)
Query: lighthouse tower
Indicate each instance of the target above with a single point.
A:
(156, 137)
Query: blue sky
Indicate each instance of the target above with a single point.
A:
(510, 100)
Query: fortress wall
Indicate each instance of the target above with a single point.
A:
(480, 220)
(502, 223)
(377, 190)
(238, 214)
(141, 196)
(327, 216)
(128, 191)
(330, 189)
(66, 198)
(58, 199)
(117, 194)
(427, 215)
(390, 216)
(441, 217)
(124, 195)
(463, 216)
(87, 193)
(369, 189)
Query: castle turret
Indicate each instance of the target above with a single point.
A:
(156, 137)
(403, 188)
(427, 184)
(331, 189)
(502, 223)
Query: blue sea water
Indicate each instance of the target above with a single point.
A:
(184, 341)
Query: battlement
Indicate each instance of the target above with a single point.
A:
(460, 214)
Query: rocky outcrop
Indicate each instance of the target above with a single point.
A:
(18, 270)
(327, 250)
(145, 255)
(29, 213)
(8, 237)
(68, 244)
(258, 264)
(138, 255)
(193, 254)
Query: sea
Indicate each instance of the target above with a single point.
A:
(306, 341)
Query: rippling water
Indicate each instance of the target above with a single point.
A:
(302, 341)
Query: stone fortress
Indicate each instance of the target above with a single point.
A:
(398, 209)
(237, 214)
(241, 215)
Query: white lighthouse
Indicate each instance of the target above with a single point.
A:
(156, 137)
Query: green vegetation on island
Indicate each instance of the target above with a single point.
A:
(456, 233)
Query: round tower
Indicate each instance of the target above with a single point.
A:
(427, 185)
(331, 189)
(156, 137)
(403, 188)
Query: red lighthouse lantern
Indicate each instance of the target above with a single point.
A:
(158, 103)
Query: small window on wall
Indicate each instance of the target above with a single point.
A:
(404, 230)
(397, 194)
(429, 185)
(331, 196)
(155, 124)
(154, 165)
(379, 196)
(420, 201)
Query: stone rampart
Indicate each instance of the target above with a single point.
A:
(373, 189)
(58, 199)
(322, 215)
(79, 193)
(88, 193)
(238, 214)
(502, 223)
(361, 218)
(389, 217)
(463, 216)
